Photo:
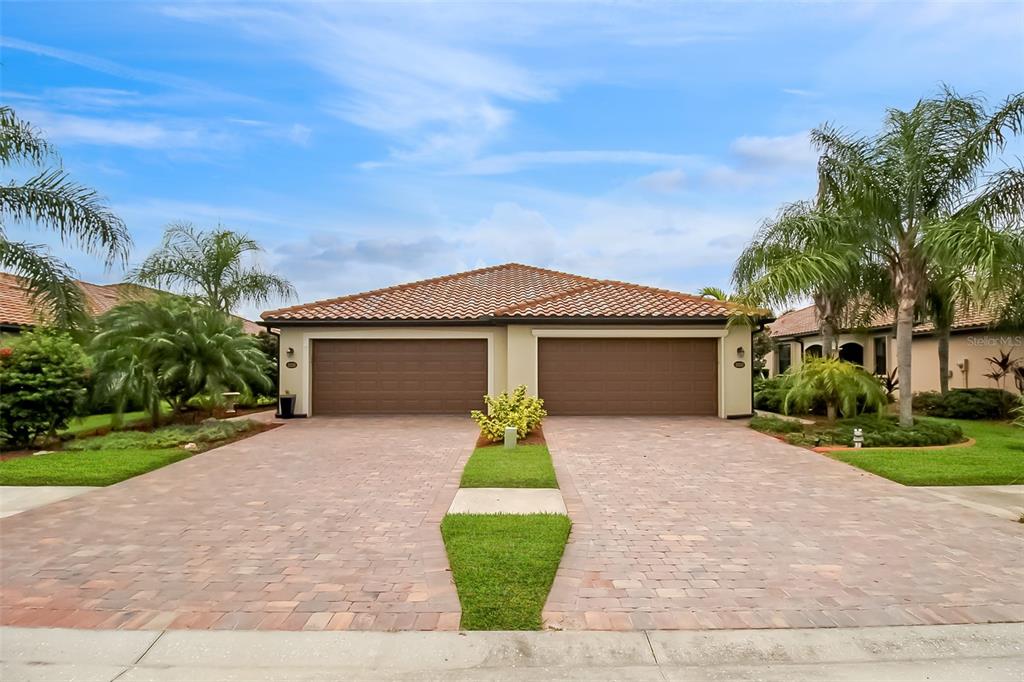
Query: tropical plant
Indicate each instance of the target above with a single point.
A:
(796, 256)
(215, 266)
(890, 383)
(842, 385)
(524, 412)
(1002, 365)
(915, 197)
(43, 378)
(1019, 421)
(173, 349)
(51, 200)
(966, 403)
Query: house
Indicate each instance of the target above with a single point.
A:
(586, 346)
(17, 312)
(796, 335)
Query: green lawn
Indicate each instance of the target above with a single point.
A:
(997, 458)
(525, 466)
(86, 467)
(503, 566)
(102, 421)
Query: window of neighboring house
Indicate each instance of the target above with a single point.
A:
(881, 355)
(783, 353)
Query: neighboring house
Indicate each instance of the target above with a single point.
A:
(586, 346)
(796, 335)
(17, 312)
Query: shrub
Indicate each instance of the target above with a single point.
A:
(775, 425)
(843, 386)
(43, 377)
(175, 349)
(516, 409)
(966, 403)
(166, 437)
(1019, 411)
(770, 394)
(878, 432)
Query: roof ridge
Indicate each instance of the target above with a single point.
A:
(269, 314)
(671, 292)
(504, 310)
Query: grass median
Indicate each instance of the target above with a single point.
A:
(503, 566)
(525, 466)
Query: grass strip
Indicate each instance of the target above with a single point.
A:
(87, 467)
(525, 466)
(503, 566)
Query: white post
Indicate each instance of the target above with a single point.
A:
(510, 437)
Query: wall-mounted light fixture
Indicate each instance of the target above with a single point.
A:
(740, 352)
(291, 352)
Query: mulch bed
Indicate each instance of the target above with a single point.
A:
(536, 437)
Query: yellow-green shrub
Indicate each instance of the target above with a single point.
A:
(517, 409)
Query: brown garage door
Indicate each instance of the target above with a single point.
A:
(401, 376)
(628, 376)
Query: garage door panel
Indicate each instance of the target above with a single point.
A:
(628, 375)
(398, 376)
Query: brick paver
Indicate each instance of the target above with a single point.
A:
(325, 524)
(698, 523)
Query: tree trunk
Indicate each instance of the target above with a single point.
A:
(904, 339)
(826, 325)
(154, 411)
(831, 412)
(944, 334)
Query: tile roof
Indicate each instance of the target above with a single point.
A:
(511, 290)
(804, 322)
(16, 307)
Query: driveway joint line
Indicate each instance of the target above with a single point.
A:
(148, 648)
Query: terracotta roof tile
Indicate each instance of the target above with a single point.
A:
(804, 322)
(509, 290)
(16, 307)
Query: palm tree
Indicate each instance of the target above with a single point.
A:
(795, 256)
(51, 200)
(173, 349)
(214, 266)
(917, 196)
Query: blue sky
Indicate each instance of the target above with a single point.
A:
(370, 144)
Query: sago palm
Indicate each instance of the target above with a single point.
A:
(214, 266)
(51, 200)
(174, 349)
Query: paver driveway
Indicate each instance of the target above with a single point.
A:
(319, 524)
(699, 523)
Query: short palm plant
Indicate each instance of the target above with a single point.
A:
(215, 266)
(176, 350)
(843, 386)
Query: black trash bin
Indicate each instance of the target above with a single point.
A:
(286, 406)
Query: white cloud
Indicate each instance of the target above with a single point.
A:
(782, 150)
(664, 181)
(511, 163)
(68, 128)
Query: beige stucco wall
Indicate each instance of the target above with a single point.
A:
(512, 356)
(973, 347)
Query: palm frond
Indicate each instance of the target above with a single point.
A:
(50, 282)
(51, 199)
(20, 141)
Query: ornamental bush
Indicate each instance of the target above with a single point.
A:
(879, 432)
(966, 403)
(517, 409)
(43, 377)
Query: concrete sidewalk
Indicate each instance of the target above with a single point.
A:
(963, 653)
(15, 499)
